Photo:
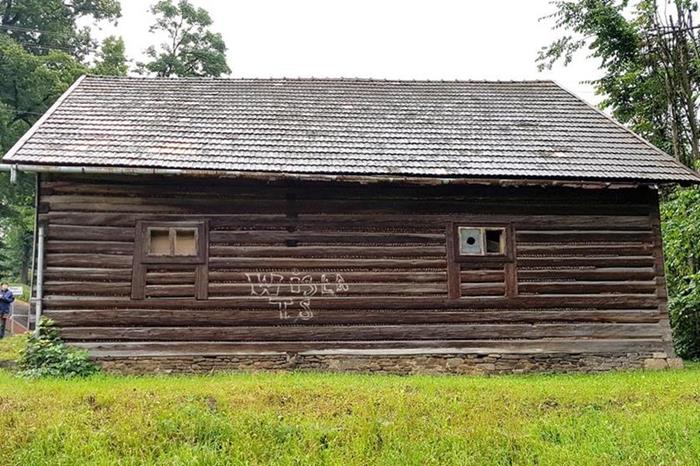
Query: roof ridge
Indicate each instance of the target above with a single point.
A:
(315, 78)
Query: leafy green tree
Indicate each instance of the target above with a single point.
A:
(111, 59)
(681, 230)
(42, 51)
(44, 25)
(29, 84)
(192, 49)
(651, 64)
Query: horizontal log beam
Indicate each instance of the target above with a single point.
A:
(231, 317)
(363, 332)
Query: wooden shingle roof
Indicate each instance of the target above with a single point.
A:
(524, 129)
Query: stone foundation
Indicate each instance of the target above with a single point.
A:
(389, 362)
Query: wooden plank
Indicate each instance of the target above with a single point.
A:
(510, 269)
(602, 301)
(354, 289)
(480, 276)
(88, 274)
(201, 284)
(594, 236)
(80, 233)
(271, 316)
(453, 267)
(368, 204)
(308, 237)
(138, 281)
(346, 221)
(226, 275)
(588, 274)
(482, 289)
(88, 288)
(282, 262)
(580, 261)
(151, 348)
(317, 189)
(586, 287)
(329, 251)
(468, 207)
(166, 291)
(90, 247)
(622, 249)
(362, 332)
(88, 260)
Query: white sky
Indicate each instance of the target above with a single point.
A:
(405, 39)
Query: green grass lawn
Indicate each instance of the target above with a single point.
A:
(633, 418)
(11, 346)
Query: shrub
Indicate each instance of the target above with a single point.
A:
(681, 230)
(47, 356)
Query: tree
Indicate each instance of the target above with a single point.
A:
(42, 52)
(111, 59)
(192, 49)
(44, 25)
(681, 230)
(29, 84)
(650, 60)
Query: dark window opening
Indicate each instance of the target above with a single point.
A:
(494, 242)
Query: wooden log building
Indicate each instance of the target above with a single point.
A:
(398, 226)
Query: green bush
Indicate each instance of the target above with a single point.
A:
(681, 230)
(47, 356)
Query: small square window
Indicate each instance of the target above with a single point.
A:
(159, 242)
(480, 241)
(172, 242)
(186, 242)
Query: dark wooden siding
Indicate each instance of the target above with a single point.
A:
(357, 267)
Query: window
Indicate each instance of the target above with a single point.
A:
(481, 260)
(481, 241)
(171, 247)
(172, 242)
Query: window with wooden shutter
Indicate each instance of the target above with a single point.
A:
(177, 248)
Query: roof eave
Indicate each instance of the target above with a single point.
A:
(346, 178)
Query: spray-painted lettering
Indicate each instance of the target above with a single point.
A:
(292, 294)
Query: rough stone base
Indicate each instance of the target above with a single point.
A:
(435, 363)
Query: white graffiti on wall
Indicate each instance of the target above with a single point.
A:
(292, 294)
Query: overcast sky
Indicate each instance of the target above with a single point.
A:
(428, 39)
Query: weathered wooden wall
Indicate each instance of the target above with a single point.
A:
(587, 273)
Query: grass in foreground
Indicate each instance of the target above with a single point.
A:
(632, 418)
(11, 346)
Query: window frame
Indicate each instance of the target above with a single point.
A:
(506, 240)
(143, 239)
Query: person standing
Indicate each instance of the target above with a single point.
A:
(6, 298)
